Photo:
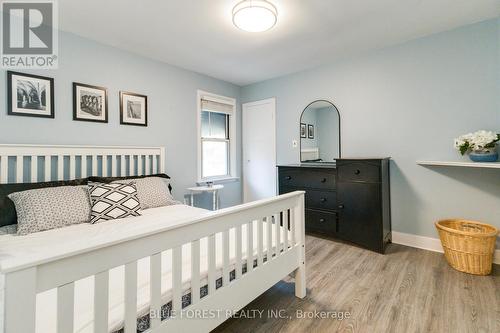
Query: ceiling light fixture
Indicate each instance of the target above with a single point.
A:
(255, 15)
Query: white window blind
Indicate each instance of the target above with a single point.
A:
(215, 106)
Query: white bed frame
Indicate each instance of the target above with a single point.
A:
(308, 154)
(23, 281)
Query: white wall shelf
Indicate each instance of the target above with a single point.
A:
(491, 165)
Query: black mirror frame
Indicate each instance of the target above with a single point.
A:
(340, 127)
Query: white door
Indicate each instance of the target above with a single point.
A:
(259, 149)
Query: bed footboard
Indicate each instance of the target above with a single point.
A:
(281, 218)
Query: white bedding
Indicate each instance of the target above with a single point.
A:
(39, 245)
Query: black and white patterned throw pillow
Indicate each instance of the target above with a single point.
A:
(113, 201)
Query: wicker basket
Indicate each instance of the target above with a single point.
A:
(468, 245)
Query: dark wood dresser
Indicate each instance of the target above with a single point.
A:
(349, 199)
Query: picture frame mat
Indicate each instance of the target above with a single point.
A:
(134, 98)
(303, 130)
(15, 78)
(98, 91)
(310, 131)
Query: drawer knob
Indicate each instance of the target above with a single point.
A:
(322, 220)
(357, 172)
(288, 177)
(322, 199)
(341, 206)
(323, 180)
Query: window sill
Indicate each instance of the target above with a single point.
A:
(219, 180)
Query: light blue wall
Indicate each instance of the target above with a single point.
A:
(172, 108)
(328, 133)
(409, 102)
(309, 117)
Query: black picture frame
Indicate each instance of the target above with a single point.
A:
(123, 115)
(76, 116)
(310, 131)
(303, 130)
(12, 108)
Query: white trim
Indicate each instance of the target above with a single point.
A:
(272, 101)
(263, 101)
(216, 98)
(427, 243)
(232, 135)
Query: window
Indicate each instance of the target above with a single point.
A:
(216, 146)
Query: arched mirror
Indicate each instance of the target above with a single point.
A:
(320, 133)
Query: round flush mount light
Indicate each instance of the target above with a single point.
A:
(255, 15)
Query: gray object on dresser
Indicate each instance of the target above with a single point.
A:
(349, 200)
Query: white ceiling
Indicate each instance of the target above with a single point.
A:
(198, 34)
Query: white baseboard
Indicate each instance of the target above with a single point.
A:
(427, 243)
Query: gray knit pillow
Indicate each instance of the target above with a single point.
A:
(50, 208)
(152, 192)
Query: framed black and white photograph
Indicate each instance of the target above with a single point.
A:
(303, 131)
(30, 95)
(133, 109)
(310, 131)
(90, 103)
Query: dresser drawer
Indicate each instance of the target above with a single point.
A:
(320, 221)
(316, 199)
(354, 171)
(304, 177)
(321, 199)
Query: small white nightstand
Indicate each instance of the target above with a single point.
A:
(215, 193)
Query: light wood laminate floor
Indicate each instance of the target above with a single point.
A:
(406, 290)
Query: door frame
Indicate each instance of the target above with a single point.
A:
(244, 107)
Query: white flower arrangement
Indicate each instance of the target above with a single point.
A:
(480, 140)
